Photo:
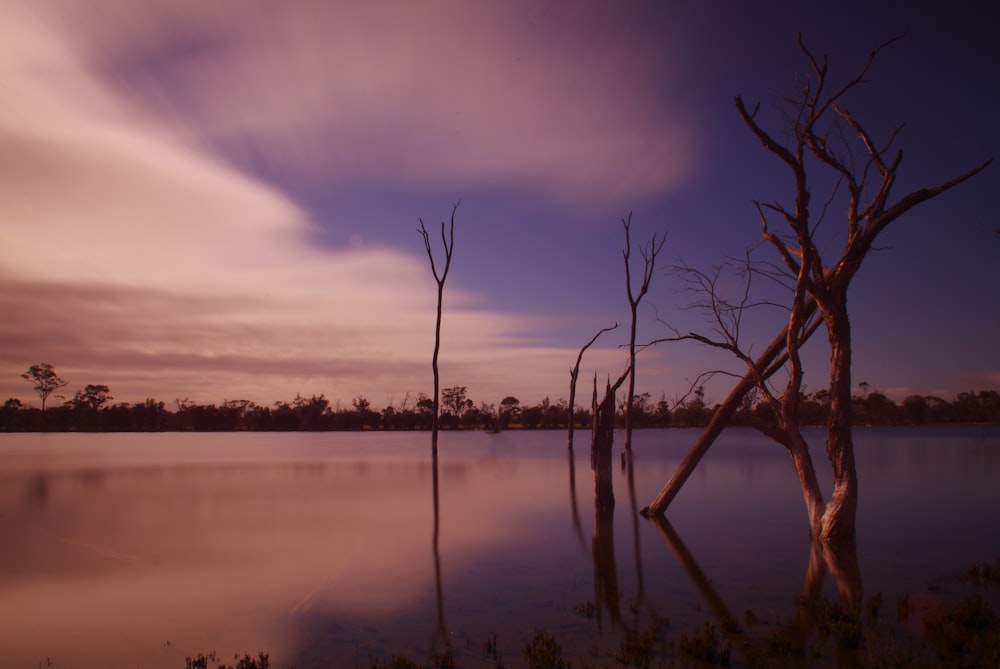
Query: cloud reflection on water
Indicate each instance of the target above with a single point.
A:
(320, 546)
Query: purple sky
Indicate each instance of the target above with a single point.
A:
(219, 200)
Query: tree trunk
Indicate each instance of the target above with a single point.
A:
(798, 451)
(600, 448)
(437, 375)
(574, 373)
(839, 519)
(767, 363)
(630, 395)
(572, 402)
(440, 277)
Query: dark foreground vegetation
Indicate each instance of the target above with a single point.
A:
(92, 410)
(948, 627)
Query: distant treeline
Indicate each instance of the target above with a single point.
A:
(94, 412)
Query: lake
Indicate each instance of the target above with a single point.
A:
(328, 549)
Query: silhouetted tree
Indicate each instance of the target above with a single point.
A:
(13, 416)
(87, 403)
(649, 252)
(315, 413)
(93, 397)
(449, 246)
(366, 418)
(455, 401)
(312, 412)
(510, 408)
(46, 381)
(693, 411)
(425, 411)
(149, 416)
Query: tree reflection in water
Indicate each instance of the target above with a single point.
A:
(441, 632)
(607, 591)
(312, 548)
(574, 509)
(793, 637)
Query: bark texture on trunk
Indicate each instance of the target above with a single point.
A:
(811, 493)
(839, 519)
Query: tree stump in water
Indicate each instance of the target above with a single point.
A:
(602, 439)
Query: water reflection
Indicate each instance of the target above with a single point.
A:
(441, 632)
(628, 464)
(574, 510)
(314, 546)
(840, 560)
(607, 590)
(37, 493)
(723, 614)
(606, 593)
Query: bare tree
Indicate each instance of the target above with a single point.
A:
(448, 241)
(764, 366)
(727, 319)
(574, 373)
(822, 134)
(46, 381)
(602, 439)
(648, 253)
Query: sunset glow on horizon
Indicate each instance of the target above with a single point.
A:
(219, 200)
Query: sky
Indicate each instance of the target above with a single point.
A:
(220, 201)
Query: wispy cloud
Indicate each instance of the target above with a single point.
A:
(453, 94)
(143, 248)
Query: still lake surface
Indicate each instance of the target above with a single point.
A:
(325, 549)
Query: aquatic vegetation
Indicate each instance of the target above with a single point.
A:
(544, 652)
(397, 662)
(246, 662)
(636, 649)
(706, 646)
(983, 575)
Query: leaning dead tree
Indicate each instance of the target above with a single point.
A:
(823, 137)
(574, 373)
(727, 318)
(448, 241)
(648, 252)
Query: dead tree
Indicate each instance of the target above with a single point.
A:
(727, 318)
(602, 439)
(822, 133)
(765, 365)
(574, 373)
(448, 241)
(648, 253)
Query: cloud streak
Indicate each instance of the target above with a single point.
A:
(439, 94)
(146, 261)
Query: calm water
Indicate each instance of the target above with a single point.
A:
(323, 548)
